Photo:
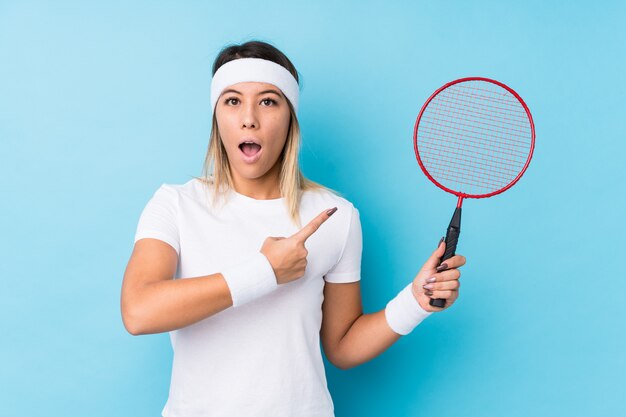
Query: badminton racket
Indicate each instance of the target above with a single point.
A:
(474, 138)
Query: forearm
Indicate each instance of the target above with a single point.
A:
(368, 337)
(372, 334)
(172, 304)
(166, 305)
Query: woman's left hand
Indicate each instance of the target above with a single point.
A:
(446, 280)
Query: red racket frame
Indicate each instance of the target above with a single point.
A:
(457, 193)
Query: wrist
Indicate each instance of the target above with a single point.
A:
(250, 280)
(404, 312)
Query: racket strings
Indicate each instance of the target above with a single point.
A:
(474, 137)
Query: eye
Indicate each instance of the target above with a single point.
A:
(227, 101)
(270, 100)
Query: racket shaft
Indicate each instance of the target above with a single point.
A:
(452, 238)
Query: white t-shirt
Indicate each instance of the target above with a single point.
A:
(262, 358)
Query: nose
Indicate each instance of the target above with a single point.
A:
(249, 117)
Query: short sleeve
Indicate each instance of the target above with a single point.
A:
(348, 268)
(158, 219)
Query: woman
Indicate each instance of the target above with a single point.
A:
(224, 264)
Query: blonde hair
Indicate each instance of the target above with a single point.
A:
(216, 172)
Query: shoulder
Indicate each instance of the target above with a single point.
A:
(175, 197)
(346, 217)
(165, 194)
(193, 189)
(325, 198)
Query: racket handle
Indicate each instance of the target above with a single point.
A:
(452, 238)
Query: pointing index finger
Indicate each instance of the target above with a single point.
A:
(306, 232)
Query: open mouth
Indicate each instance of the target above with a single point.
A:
(250, 148)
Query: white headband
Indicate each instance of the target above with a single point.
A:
(254, 69)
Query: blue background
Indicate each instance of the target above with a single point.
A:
(100, 103)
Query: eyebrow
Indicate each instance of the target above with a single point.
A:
(230, 90)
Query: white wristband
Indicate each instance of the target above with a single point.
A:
(404, 312)
(250, 280)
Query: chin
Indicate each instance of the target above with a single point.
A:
(251, 172)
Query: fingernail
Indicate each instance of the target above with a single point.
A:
(431, 279)
(428, 286)
(428, 293)
(331, 211)
(442, 267)
(439, 244)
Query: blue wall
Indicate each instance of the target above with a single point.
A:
(101, 103)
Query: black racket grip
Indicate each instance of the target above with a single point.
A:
(452, 238)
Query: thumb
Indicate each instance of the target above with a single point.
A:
(435, 258)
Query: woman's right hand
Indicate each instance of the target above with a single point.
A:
(287, 255)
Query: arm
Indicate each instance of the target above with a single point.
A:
(153, 302)
(350, 338)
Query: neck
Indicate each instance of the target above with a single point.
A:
(266, 187)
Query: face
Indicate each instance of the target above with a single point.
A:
(253, 112)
